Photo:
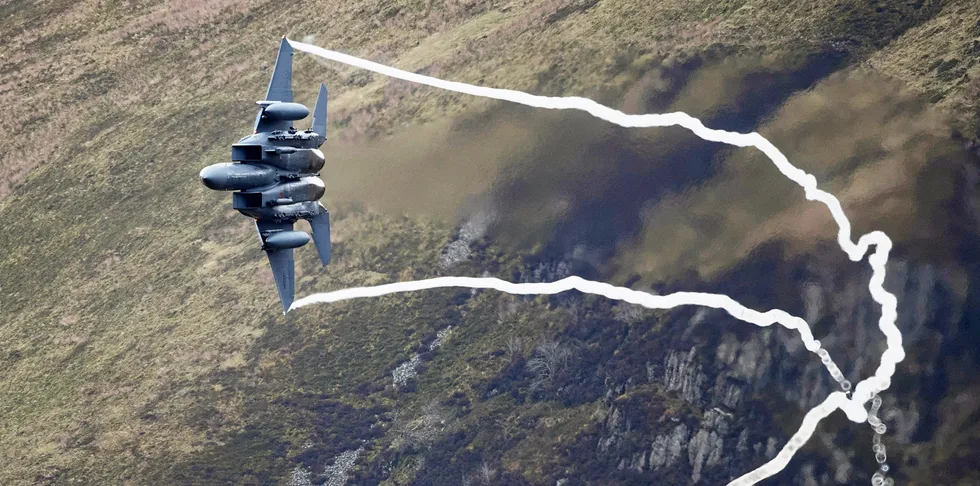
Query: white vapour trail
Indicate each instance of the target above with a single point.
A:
(894, 353)
(650, 301)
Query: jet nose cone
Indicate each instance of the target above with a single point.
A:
(213, 177)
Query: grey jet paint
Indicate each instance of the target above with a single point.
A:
(274, 172)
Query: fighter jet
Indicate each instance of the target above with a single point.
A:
(274, 171)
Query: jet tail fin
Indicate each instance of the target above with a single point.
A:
(320, 112)
(321, 234)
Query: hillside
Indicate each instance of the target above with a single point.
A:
(142, 341)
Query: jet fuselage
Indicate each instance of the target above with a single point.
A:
(274, 172)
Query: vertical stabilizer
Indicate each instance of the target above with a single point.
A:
(320, 112)
(281, 84)
(321, 234)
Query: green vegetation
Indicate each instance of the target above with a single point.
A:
(142, 339)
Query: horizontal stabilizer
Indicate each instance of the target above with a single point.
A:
(321, 234)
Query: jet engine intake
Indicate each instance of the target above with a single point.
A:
(241, 152)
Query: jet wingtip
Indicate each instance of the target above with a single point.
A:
(286, 299)
(281, 83)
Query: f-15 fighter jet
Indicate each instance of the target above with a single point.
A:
(275, 173)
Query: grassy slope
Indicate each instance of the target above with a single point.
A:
(139, 324)
(941, 58)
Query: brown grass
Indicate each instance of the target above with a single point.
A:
(112, 108)
(172, 15)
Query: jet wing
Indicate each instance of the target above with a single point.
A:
(281, 84)
(283, 266)
(280, 87)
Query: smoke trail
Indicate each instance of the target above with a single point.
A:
(894, 353)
